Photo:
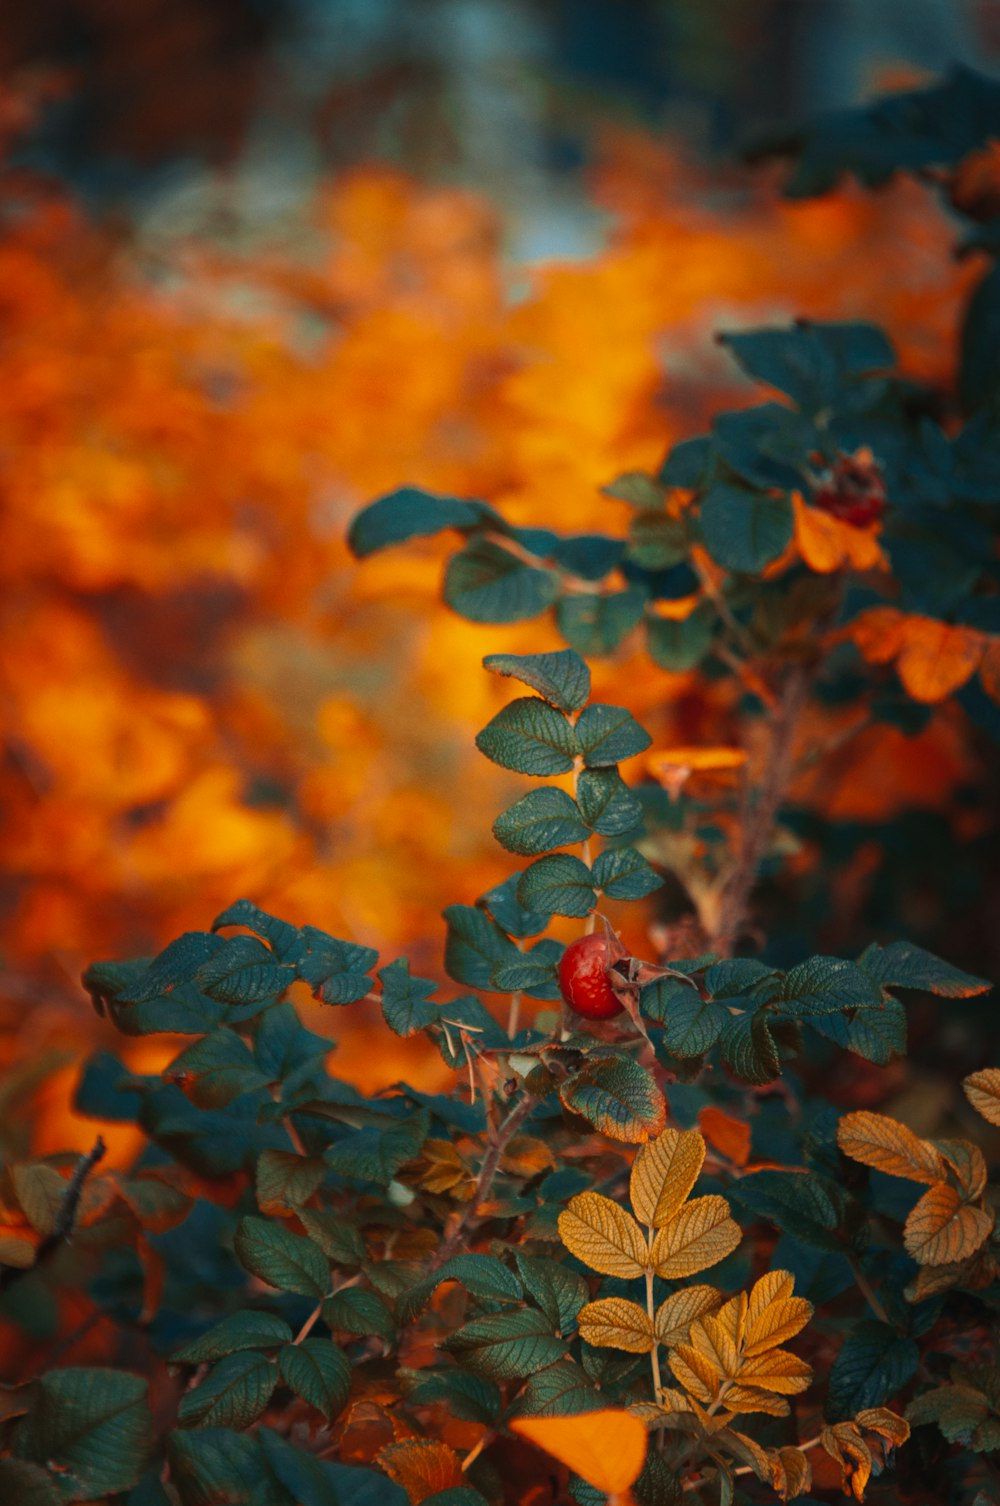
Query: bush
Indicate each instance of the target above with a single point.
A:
(495, 1294)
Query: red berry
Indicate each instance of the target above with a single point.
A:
(853, 490)
(583, 980)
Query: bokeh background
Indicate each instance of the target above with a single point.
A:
(261, 260)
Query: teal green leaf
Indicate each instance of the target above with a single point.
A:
(507, 1345)
(233, 1394)
(874, 1363)
(623, 873)
(679, 644)
(530, 737)
(562, 1390)
(28, 1484)
(541, 820)
(475, 946)
(559, 884)
(903, 965)
(877, 1034)
(656, 541)
(735, 975)
(282, 1045)
(375, 1155)
(687, 464)
(607, 734)
(483, 1275)
(405, 1005)
(288, 1261)
(178, 963)
(216, 1467)
(467, 1014)
(637, 489)
(691, 1025)
(552, 1286)
(361, 1313)
(796, 1202)
(824, 985)
(561, 678)
(535, 973)
(335, 970)
(748, 1047)
(596, 624)
(305, 1480)
(90, 1427)
(503, 905)
(244, 971)
(606, 803)
(283, 938)
(744, 530)
(617, 1096)
(486, 583)
(411, 513)
(243, 1330)
(216, 1069)
(456, 1495)
(319, 1372)
(472, 1398)
(285, 1180)
(339, 1240)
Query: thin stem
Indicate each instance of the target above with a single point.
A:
(654, 1353)
(308, 1325)
(474, 1453)
(65, 1218)
(868, 1292)
(294, 1135)
(506, 1131)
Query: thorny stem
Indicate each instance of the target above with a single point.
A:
(65, 1217)
(506, 1131)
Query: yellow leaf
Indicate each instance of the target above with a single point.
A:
(776, 1370)
(700, 1235)
(607, 1449)
(755, 1399)
(422, 1466)
(790, 1472)
(663, 1174)
(773, 1314)
(937, 659)
(695, 1372)
(845, 1444)
(982, 1089)
(603, 1236)
(714, 1344)
(941, 1228)
(675, 1316)
(733, 1317)
(889, 1424)
(881, 1142)
(614, 1323)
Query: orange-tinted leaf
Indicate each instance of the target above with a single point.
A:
(699, 1236)
(526, 1156)
(607, 1449)
(889, 1424)
(675, 1315)
(774, 1314)
(936, 659)
(967, 1165)
(715, 1344)
(989, 669)
(879, 633)
(982, 1089)
(614, 1323)
(777, 1370)
(791, 1475)
(422, 1466)
(885, 1144)
(755, 1399)
(603, 1236)
(663, 1174)
(826, 543)
(695, 1372)
(941, 1228)
(845, 1444)
(726, 1134)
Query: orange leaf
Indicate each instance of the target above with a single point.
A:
(607, 1449)
(827, 543)
(700, 1235)
(941, 1228)
(989, 669)
(879, 633)
(878, 1141)
(729, 1136)
(421, 1466)
(982, 1089)
(936, 659)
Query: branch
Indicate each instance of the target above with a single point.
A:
(487, 1172)
(65, 1217)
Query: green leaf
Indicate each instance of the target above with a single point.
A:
(559, 884)
(360, 1313)
(530, 737)
(797, 1203)
(596, 624)
(796, 361)
(28, 1484)
(637, 489)
(176, 964)
(335, 970)
(233, 1394)
(735, 975)
(285, 939)
(405, 1006)
(503, 905)
(687, 463)
(691, 1025)
(456, 1495)
(243, 1330)
(305, 1480)
(411, 513)
(749, 1048)
(90, 1427)
(375, 1155)
(656, 541)
(215, 1467)
(216, 1069)
(288, 1261)
(607, 734)
(507, 1345)
(874, 1363)
(471, 1398)
(319, 1372)
(877, 1034)
(486, 583)
(535, 973)
(824, 985)
(541, 820)
(561, 678)
(286, 1180)
(244, 971)
(617, 1096)
(903, 965)
(339, 1240)
(474, 946)
(623, 873)
(560, 1391)
(606, 803)
(467, 1014)
(483, 1275)
(552, 1286)
(744, 530)
(678, 644)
